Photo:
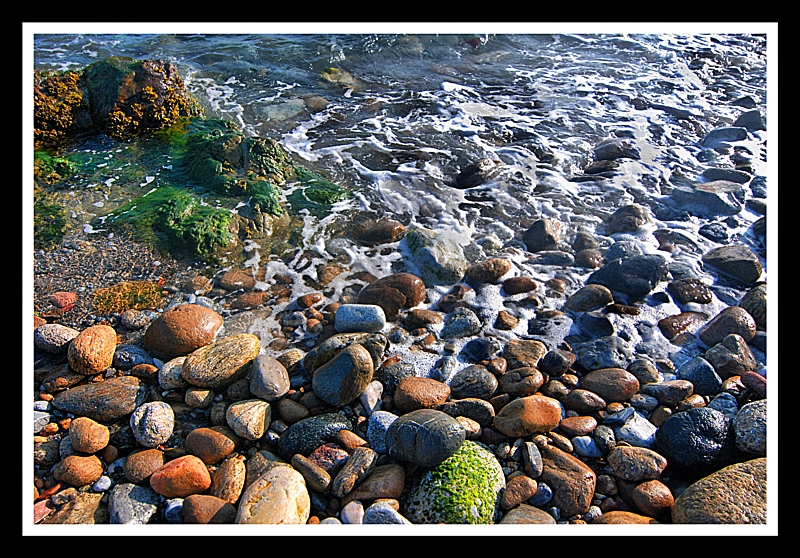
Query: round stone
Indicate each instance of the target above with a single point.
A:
(269, 379)
(529, 415)
(181, 330)
(152, 423)
(249, 418)
(54, 338)
(87, 435)
(489, 271)
(279, 496)
(612, 384)
(425, 437)
(221, 363)
(181, 477)
(212, 444)
(92, 350)
(415, 392)
(342, 379)
(77, 471)
(474, 381)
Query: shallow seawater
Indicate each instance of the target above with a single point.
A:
(399, 116)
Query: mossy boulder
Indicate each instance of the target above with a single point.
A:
(119, 96)
(464, 489)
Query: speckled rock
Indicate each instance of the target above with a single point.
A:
(425, 437)
(572, 481)
(683, 322)
(654, 499)
(750, 428)
(612, 384)
(222, 362)
(212, 444)
(736, 494)
(533, 414)
(169, 375)
(755, 302)
(464, 488)
(228, 480)
(308, 434)
(374, 343)
(461, 322)
(87, 435)
(343, 378)
(250, 418)
(279, 496)
(152, 423)
(207, 509)
(54, 338)
(610, 351)
(731, 357)
(181, 477)
(181, 330)
(733, 319)
(77, 470)
(131, 504)
(269, 379)
(690, 289)
(523, 352)
(634, 464)
(359, 317)
(104, 401)
(92, 350)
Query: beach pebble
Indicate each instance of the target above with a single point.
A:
(464, 488)
(383, 512)
(750, 428)
(54, 338)
(518, 285)
(250, 418)
(212, 444)
(519, 382)
(489, 271)
(359, 317)
(181, 477)
(181, 330)
(736, 494)
(737, 261)
(128, 356)
(460, 323)
(317, 478)
(92, 350)
(635, 276)
(152, 423)
(731, 357)
(219, 364)
(268, 378)
(140, 464)
(416, 392)
(701, 374)
(359, 466)
(543, 234)
(394, 293)
(635, 464)
(206, 509)
(581, 400)
(279, 496)
(572, 481)
(87, 435)
(711, 199)
(352, 513)
(690, 290)
(695, 442)
(474, 381)
(518, 490)
(528, 415)
(586, 446)
(623, 517)
(345, 376)
(732, 319)
(438, 256)
(104, 401)
(479, 410)
(425, 437)
(683, 322)
(130, 504)
(383, 232)
(525, 514)
(227, 482)
(588, 298)
(169, 375)
(755, 303)
(612, 384)
(77, 470)
(377, 426)
(610, 351)
(308, 434)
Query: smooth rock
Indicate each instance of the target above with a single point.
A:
(212, 444)
(181, 477)
(130, 504)
(529, 415)
(249, 419)
(279, 496)
(732, 319)
(737, 261)
(573, 482)
(437, 255)
(612, 384)
(635, 276)
(219, 364)
(394, 293)
(268, 377)
(526, 514)
(343, 378)
(92, 350)
(308, 434)
(152, 423)
(104, 401)
(489, 271)
(140, 464)
(205, 509)
(543, 234)
(635, 464)
(181, 330)
(77, 470)
(425, 437)
(54, 338)
(87, 435)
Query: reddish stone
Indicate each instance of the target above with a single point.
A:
(181, 477)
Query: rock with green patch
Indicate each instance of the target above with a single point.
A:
(465, 488)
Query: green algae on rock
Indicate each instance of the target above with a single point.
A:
(464, 488)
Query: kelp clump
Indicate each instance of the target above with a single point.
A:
(119, 96)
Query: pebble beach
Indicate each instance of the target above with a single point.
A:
(539, 305)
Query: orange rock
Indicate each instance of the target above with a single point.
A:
(77, 470)
(92, 350)
(181, 477)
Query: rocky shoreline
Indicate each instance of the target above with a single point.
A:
(384, 401)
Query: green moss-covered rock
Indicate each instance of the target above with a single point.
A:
(464, 488)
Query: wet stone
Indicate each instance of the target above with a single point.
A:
(701, 373)
(733, 319)
(308, 434)
(518, 285)
(737, 261)
(588, 298)
(489, 271)
(181, 330)
(636, 276)
(268, 378)
(479, 410)
(152, 423)
(343, 378)
(521, 382)
(222, 362)
(684, 322)
(425, 437)
(670, 392)
(414, 393)
(104, 401)
(528, 415)
(690, 290)
(755, 303)
(544, 234)
(473, 381)
(212, 444)
(459, 323)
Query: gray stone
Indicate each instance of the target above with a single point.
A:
(461, 322)
(377, 426)
(704, 378)
(438, 256)
(710, 199)
(382, 513)
(152, 423)
(131, 504)
(425, 437)
(636, 276)
(342, 379)
(308, 434)
(605, 352)
(269, 379)
(737, 261)
(359, 317)
(720, 136)
(750, 428)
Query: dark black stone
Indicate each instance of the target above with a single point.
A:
(305, 436)
(425, 437)
(635, 276)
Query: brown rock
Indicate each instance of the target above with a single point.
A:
(580, 425)
(222, 362)
(291, 411)
(181, 477)
(533, 414)
(139, 465)
(506, 321)
(308, 300)
(489, 271)
(77, 470)
(634, 464)
(582, 400)
(689, 290)
(207, 509)
(755, 302)
(520, 353)
(228, 480)
(419, 317)
(612, 384)
(731, 357)
(212, 444)
(544, 234)
(236, 279)
(527, 514)
(393, 293)
(684, 322)
(653, 498)
(517, 490)
(385, 481)
(572, 481)
(87, 435)
(518, 285)
(627, 218)
(415, 392)
(732, 319)
(62, 299)
(315, 476)
(86, 508)
(92, 350)
(520, 382)
(588, 298)
(181, 330)
(104, 401)
(383, 232)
